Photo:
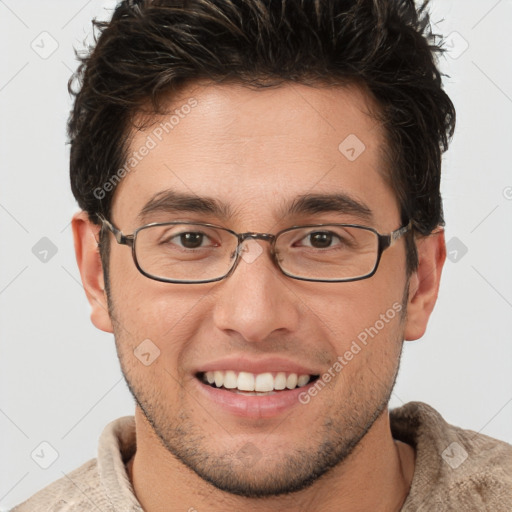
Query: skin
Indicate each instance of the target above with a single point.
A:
(254, 149)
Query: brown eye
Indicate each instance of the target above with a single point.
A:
(320, 240)
(191, 240)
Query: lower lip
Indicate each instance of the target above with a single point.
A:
(250, 406)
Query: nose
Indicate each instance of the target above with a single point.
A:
(256, 301)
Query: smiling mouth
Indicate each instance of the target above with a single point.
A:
(250, 384)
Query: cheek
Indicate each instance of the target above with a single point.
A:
(152, 341)
(147, 307)
(347, 309)
(362, 323)
(164, 319)
(153, 317)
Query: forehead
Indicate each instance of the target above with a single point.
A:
(256, 150)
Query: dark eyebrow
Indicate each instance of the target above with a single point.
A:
(170, 201)
(328, 203)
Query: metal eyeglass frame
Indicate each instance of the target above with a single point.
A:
(384, 242)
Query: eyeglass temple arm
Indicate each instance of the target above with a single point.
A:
(118, 234)
(395, 235)
(386, 241)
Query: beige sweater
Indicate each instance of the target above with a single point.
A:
(456, 470)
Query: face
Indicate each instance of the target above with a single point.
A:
(255, 152)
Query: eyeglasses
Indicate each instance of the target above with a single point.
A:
(193, 253)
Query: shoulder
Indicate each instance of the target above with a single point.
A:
(77, 490)
(99, 484)
(456, 469)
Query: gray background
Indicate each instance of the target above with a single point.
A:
(59, 377)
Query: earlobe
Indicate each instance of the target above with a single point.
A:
(424, 283)
(86, 236)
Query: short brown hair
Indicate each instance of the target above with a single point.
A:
(152, 47)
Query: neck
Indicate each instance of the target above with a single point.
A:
(376, 476)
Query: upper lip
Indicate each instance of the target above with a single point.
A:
(244, 364)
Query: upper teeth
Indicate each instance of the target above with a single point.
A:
(245, 381)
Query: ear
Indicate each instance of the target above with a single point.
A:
(424, 283)
(86, 237)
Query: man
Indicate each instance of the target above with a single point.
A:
(261, 229)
